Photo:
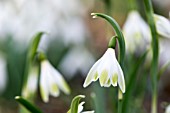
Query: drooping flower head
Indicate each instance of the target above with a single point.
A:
(107, 70)
(51, 81)
(137, 33)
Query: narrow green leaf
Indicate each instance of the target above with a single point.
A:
(32, 49)
(155, 54)
(27, 105)
(75, 103)
(34, 45)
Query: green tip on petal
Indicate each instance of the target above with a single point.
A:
(114, 79)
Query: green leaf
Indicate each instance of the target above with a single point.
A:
(32, 49)
(27, 105)
(75, 103)
(34, 45)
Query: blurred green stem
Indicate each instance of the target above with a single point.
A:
(155, 53)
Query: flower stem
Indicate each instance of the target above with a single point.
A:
(121, 47)
(155, 53)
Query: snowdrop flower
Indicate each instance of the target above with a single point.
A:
(162, 25)
(80, 108)
(51, 81)
(137, 33)
(32, 82)
(107, 70)
(167, 110)
(85, 60)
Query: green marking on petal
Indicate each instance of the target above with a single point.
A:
(103, 77)
(54, 88)
(108, 82)
(95, 76)
(114, 79)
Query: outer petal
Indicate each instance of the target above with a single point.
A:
(62, 84)
(92, 75)
(80, 107)
(162, 25)
(44, 92)
(31, 85)
(121, 80)
(52, 85)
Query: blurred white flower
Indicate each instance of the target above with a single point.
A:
(167, 110)
(81, 59)
(32, 82)
(3, 73)
(22, 19)
(80, 108)
(164, 53)
(51, 81)
(137, 33)
(107, 70)
(162, 25)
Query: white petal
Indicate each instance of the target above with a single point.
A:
(121, 80)
(44, 91)
(31, 85)
(92, 75)
(62, 84)
(80, 107)
(162, 25)
(52, 85)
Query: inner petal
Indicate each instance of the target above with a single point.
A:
(103, 77)
(114, 79)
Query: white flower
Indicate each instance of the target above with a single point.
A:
(162, 25)
(80, 108)
(167, 110)
(137, 33)
(107, 70)
(51, 81)
(31, 85)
